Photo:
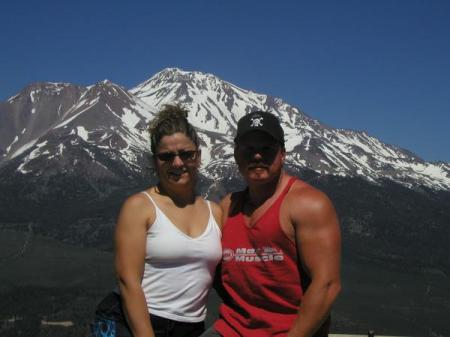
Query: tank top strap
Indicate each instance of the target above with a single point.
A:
(212, 220)
(279, 200)
(209, 207)
(211, 215)
(288, 186)
(151, 199)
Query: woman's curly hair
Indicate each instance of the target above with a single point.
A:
(171, 119)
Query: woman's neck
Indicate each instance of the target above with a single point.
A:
(181, 197)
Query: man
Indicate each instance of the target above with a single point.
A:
(281, 244)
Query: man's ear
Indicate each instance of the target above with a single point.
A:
(235, 153)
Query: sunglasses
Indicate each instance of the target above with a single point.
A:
(264, 150)
(183, 155)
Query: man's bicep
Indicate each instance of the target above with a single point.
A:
(318, 237)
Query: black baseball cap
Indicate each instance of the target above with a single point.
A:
(260, 121)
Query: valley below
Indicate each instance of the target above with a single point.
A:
(52, 281)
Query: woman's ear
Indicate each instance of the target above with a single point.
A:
(199, 157)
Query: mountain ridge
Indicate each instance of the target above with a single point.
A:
(68, 177)
(300, 130)
(110, 117)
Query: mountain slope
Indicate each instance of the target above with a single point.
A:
(112, 121)
(99, 125)
(32, 113)
(216, 105)
(69, 156)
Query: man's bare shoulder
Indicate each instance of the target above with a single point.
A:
(224, 204)
(232, 203)
(226, 198)
(306, 199)
(301, 189)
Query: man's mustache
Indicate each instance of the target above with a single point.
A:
(258, 164)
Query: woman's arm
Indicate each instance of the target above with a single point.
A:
(130, 245)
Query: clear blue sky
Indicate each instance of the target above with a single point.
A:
(379, 66)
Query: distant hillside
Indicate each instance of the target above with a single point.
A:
(70, 155)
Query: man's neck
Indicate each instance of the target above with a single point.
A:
(258, 194)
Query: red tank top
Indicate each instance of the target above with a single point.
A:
(260, 275)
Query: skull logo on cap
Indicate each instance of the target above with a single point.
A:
(256, 122)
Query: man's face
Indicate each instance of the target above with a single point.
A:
(259, 157)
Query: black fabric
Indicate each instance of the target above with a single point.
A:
(260, 121)
(110, 322)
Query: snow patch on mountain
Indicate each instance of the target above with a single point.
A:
(83, 133)
(32, 155)
(13, 142)
(216, 105)
(24, 148)
(114, 120)
(67, 121)
(129, 118)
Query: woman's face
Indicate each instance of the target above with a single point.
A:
(177, 160)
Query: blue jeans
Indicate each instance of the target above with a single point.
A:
(110, 322)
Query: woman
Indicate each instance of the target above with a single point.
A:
(167, 243)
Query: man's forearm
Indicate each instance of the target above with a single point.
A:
(314, 309)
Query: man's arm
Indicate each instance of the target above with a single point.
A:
(318, 240)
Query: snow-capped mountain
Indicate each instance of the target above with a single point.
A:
(54, 125)
(30, 114)
(216, 106)
(70, 155)
(67, 125)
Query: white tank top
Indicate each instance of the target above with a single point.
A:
(179, 270)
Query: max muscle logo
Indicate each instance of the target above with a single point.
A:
(252, 254)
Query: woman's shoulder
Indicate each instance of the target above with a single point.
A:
(139, 203)
(216, 211)
(139, 199)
